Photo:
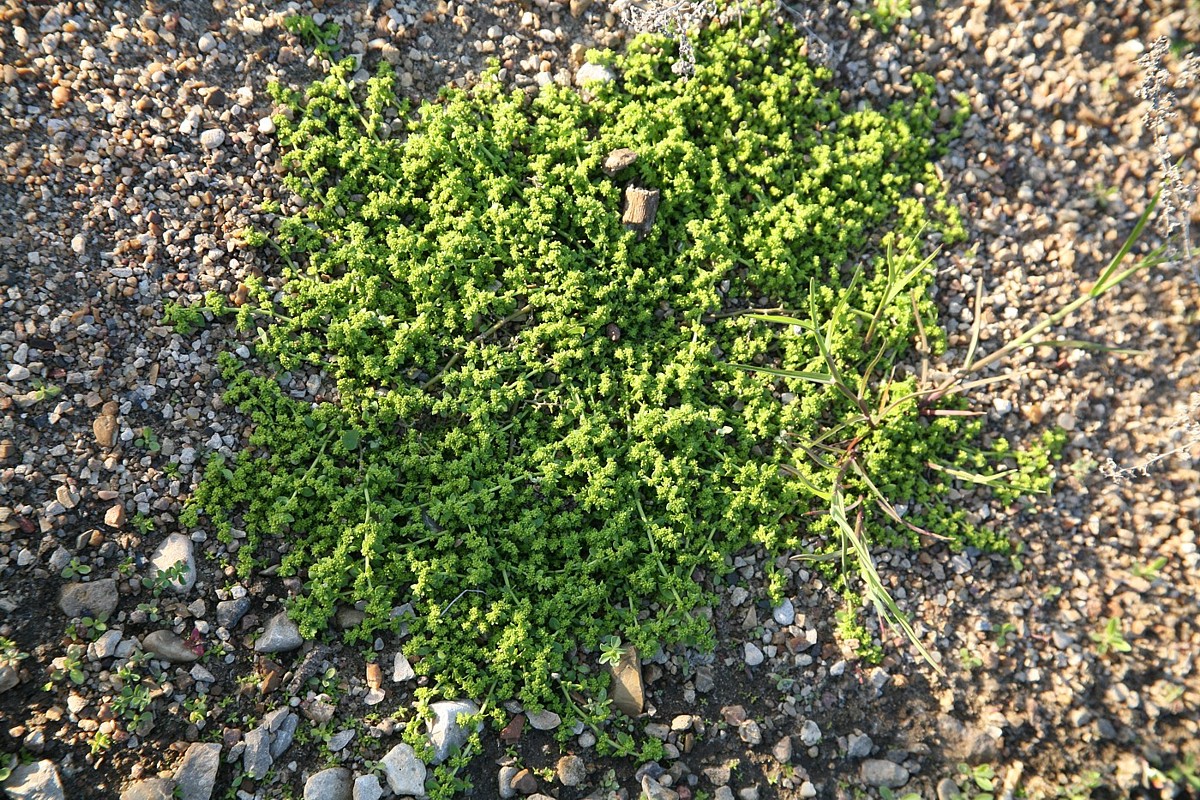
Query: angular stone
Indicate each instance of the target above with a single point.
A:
(858, 745)
(257, 755)
(281, 724)
(230, 612)
(753, 654)
(810, 733)
(447, 735)
(628, 692)
(279, 635)
(174, 549)
(653, 790)
(115, 516)
(340, 740)
(106, 645)
(196, 774)
(366, 787)
(329, 784)
(877, 772)
(149, 789)
(95, 599)
(784, 613)
(405, 772)
(572, 771)
(402, 670)
(167, 645)
(38, 781)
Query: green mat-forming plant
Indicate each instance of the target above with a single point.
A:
(543, 428)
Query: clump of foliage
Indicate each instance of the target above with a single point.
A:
(543, 429)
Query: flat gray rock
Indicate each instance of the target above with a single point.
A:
(447, 735)
(279, 635)
(340, 740)
(9, 677)
(167, 645)
(196, 773)
(402, 670)
(404, 771)
(366, 787)
(329, 784)
(150, 789)
(257, 755)
(784, 613)
(544, 720)
(95, 599)
(653, 790)
(175, 549)
(37, 781)
(281, 724)
(105, 646)
(877, 772)
(230, 612)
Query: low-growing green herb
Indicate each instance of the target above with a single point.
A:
(540, 428)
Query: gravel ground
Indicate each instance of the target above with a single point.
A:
(134, 147)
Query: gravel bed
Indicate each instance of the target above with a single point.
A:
(135, 144)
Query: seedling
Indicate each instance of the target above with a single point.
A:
(1151, 571)
(1111, 638)
(75, 569)
(611, 650)
(323, 39)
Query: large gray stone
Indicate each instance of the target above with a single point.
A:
(95, 599)
(174, 549)
(404, 771)
(149, 789)
(329, 784)
(9, 677)
(38, 781)
(257, 756)
(366, 787)
(196, 773)
(281, 724)
(230, 612)
(167, 645)
(447, 735)
(279, 635)
(877, 772)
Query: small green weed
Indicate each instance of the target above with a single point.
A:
(885, 14)
(1111, 638)
(977, 782)
(75, 569)
(148, 440)
(1150, 571)
(323, 39)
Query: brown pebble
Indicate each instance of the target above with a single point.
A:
(61, 95)
(115, 517)
(105, 430)
(97, 538)
(374, 675)
(7, 450)
(524, 782)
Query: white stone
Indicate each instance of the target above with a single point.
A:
(174, 549)
(212, 138)
(404, 771)
(590, 73)
(753, 655)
